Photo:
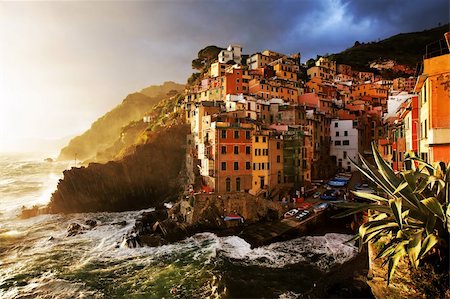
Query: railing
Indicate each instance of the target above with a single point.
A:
(436, 48)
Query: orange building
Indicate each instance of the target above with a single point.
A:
(434, 104)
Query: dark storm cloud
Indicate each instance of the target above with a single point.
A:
(86, 56)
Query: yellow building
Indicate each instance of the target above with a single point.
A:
(261, 162)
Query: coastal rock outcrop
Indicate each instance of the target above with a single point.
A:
(146, 177)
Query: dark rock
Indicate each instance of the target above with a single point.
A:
(153, 240)
(151, 171)
(91, 223)
(74, 229)
(120, 223)
(146, 221)
(133, 240)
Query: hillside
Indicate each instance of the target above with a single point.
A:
(105, 131)
(405, 48)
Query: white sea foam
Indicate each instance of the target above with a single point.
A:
(322, 251)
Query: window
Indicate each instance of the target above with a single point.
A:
(264, 139)
(236, 165)
(247, 134)
(278, 159)
(263, 166)
(346, 142)
(337, 134)
(256, 139)
(224, 134)
(228, 185)
(236, 134)
(254, 166)
(247, 165)
(345, 155)
(236, 149)
(336, 125)
(278, 145)
(224, 149)
(238, 184)
(345, 133)
(224, 165)
(337, 142)
(256, 152)
(247, 150)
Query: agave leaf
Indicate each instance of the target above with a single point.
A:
(369, 196)
(388, 249)
(396, 206)
(427, 244)
(354, 238)
(421, 162)
(393, 262)
(424, 184)
(371, 174)
(401, 187)
(348, 212)
(384, 168)
(356, 207)
(434, 206)
(431, 222)
(410, 177)
(448, 218)
(413, 248)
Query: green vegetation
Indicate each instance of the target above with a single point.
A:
(205, 57)
(404, 48)
(106, 130)
(412, 215)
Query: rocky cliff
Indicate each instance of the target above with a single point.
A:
(105, 131)
(148, 176)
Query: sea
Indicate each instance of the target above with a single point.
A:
(39, 260)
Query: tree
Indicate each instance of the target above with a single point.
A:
(205, 56)
(412, 214)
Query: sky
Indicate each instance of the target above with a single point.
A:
(64, 64)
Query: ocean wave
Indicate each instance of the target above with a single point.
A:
(322, 251)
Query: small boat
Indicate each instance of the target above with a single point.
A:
(233, 217)
(334, 183)
(321, 207)
(291, 213)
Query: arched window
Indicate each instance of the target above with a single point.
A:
(238, 184)
(228, 185)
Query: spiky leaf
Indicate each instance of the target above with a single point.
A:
(396, 206)
(434, 206)
(413, 249)
(427, 244)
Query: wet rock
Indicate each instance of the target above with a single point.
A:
(133, 240)
(153, 240)
(120, 223)
(74, 229)
(147, 177)
(91, 223)
(147, 220)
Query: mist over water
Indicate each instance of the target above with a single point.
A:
(37, 259)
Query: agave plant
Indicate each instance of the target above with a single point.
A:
(409, 214)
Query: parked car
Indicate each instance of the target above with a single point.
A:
(291, 213)
(330, 195)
